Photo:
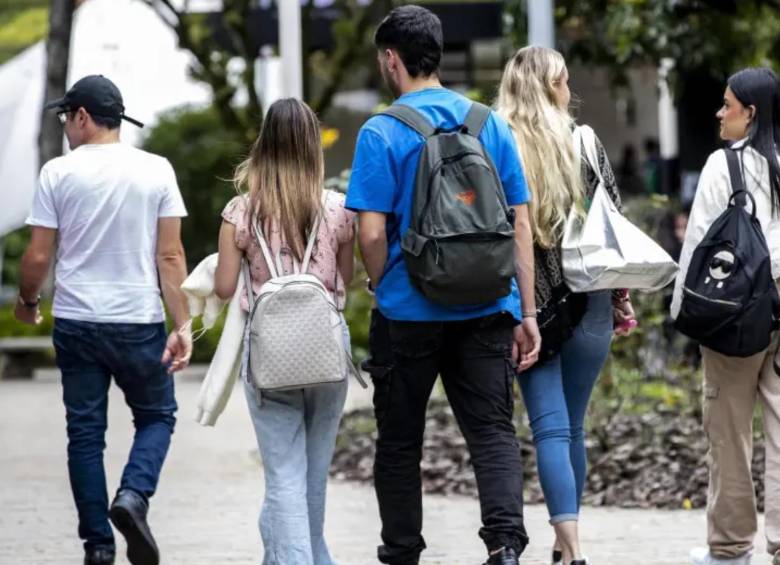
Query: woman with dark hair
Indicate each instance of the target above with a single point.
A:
(749, 120)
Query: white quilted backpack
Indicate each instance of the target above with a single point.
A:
(295, 335)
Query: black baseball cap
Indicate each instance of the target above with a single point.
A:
(97, 95)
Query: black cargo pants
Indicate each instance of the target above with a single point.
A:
(473, 359)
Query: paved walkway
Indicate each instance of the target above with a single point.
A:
(206, 509)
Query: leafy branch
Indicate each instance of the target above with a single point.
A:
(194, 32)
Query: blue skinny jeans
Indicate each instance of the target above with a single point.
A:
(556, 395)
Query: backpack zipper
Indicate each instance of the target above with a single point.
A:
(715, 300)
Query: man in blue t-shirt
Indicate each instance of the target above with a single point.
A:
(474, 348)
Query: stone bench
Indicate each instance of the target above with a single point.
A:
(19, 356)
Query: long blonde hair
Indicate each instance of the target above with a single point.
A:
(284, 173)
(527, 100)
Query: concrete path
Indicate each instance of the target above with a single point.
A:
(206, 510)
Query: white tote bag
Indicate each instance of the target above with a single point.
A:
(604, 250)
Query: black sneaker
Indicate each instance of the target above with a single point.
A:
(128, 514)
(507, 556)
(100, 555)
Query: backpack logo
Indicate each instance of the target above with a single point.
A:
(467, 197)
(721, 267)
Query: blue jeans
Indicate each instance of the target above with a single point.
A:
(296, 433)
(88, 355)
(556, 396)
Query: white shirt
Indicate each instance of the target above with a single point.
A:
(712, 197)
(104, 201)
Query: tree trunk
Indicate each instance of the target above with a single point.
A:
(57, 57)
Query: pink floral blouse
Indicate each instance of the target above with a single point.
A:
(336, 228)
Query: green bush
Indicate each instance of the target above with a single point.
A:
(21, 25)
(13, 246)
(203, 154)
(357, 314)
(205, 346)
(10, 327)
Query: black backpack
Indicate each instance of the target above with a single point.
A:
(459, 248)
(730, 302)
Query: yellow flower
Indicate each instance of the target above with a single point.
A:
(687, 504)
(329, 137)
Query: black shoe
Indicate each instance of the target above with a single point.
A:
(557, 557)
(100, 555)
(579, 562)
(507, 556)
(128, 514)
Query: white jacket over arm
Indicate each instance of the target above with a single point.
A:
(712, 198)
(226, 363)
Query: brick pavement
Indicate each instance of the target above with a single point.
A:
(206, 508)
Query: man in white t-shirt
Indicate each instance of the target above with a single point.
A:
(114, 213)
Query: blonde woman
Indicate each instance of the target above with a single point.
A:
(576, 329)
(296, 429)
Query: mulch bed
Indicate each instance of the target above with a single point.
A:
(655, 460)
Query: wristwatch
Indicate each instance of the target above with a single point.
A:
(26, 304)
(370, 288)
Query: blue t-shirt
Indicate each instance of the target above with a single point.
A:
(383, 174)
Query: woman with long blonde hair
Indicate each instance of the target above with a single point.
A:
(576, 329)
(282, 186)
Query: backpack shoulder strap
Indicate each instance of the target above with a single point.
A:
(310, 244)
(735, 174)
(315, 229)
(476, 118)
(250, 293)
(272, 270)
(588, 139)
(577, 146)
(411, 118)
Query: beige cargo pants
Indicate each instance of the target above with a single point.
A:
(731, 388)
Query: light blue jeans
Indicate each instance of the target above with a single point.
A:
(556, 396)
(296, 433)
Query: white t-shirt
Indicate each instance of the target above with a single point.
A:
(104, 201)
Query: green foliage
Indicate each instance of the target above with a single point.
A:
(205, 346)
(10, 327)
(358, 314)
(214, 60)
(20, 27)
(13, 248)
(718, 37)
(203, 154)
(353, 46)
(516, 22)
